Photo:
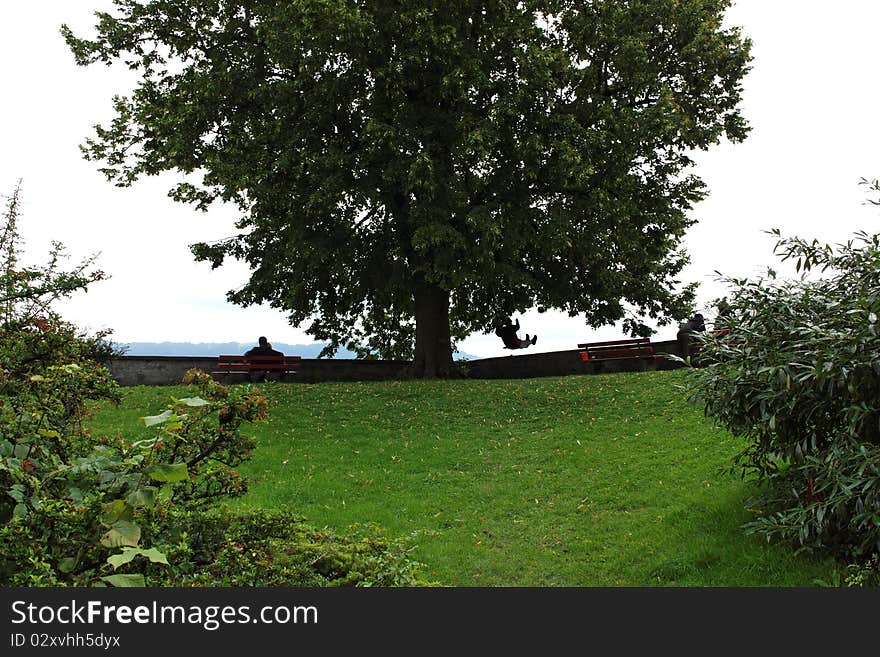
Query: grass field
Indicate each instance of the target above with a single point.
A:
(606, 480)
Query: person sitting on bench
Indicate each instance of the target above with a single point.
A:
(687, 332)
(263, 348)
(507, 332)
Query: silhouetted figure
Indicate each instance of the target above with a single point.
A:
(725, 313)
(507, 332)
(687, 331)
(263, 348)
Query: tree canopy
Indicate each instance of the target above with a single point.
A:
(408, 170)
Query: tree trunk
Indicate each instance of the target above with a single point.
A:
(433, 352)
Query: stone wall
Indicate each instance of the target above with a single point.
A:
(169, 370)
(156, 370)
(561, 363)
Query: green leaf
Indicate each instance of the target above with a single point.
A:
(121, 533)
(194, 401)
(125, 556)
(17, 492)
(67, 565)
(168, 472)
(145, 496)
(20, 511)
(126, 581)
(166, 492)
(115, 511)
(152, 420)
(155, 556)
(129, 553)
(146, 444)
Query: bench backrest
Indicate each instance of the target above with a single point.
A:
(628, 348)
(235, 362)
(613, 343)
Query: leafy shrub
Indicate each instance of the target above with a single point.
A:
(46, 377)
(202, 548)
(798, 378)
(865, 573)
(82, 510)
(278, 549)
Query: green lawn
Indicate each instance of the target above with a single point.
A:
(606, 480)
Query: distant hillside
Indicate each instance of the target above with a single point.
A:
(217, 348)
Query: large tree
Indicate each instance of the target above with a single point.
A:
(408, 170)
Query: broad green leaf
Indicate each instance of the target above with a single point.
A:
(129, 553)
(194, 401)
(125, 556)
(115, 511)
(145, 496)
(67, 564)
(152, 420)
(17, 492)
(20, 511)
(168, 472)
(125, 581)
(155, 556)
(166, 492)
(121, 533)
(145, 444)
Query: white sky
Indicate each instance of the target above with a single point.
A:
(811, 99)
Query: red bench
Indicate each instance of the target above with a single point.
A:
(617, 349)
(234, 364)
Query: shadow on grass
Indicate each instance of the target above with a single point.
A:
(712, 549)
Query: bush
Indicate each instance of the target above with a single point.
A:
(202, 548)
(798, 377)
(865, 573)
(82, 510)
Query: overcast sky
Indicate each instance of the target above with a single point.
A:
(811, 99)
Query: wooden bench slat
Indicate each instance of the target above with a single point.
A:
(251, 365)
(617, 349)
(241, 364)
(621, 352)
(615, 342)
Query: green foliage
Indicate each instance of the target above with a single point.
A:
(89, 509)
(46, 377)
(81, 510)
(269, 548)
(410, 166)
(199, 548)
(865, 573)
(798, 378)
